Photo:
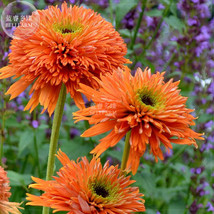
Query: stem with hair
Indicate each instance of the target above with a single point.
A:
(54, 136)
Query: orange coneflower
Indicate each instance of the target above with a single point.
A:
(70, 46)
(87, 187)
(153, 110)
(6, 207)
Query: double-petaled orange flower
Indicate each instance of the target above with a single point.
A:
(87, 187)
(6, 207)
(70, 46)
(152, 109)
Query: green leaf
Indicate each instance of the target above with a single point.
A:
(204, 119)
(43, 126)
(167, 194)
(165, 2)
(41, 4)
(125, 33)
(182, 170)
(43, 153)
(154, 13)
(147, 63)
(150, 211)
(175, 23)
(208, 161)
(123, 8)
(173, 74)
(76, 147)
(173, 8)
(26, 139)
(146, 181)
(12, 122)
(40, 136)
(17, 179)
(177, 206)
(115, 154)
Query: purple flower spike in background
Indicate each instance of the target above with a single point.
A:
(74, 132)
(210, 207)
(195, 207)
(21, 108)
(128, 20)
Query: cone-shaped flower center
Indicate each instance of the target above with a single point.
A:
(101, 190)
(146, 99)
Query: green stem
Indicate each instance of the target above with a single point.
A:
(183, 148)
(37, 154)
(187, 199)
(153, 36)
(3, 126)
(24, 164)
(36, 147)
(2, 142)
(126, 151)
(86, 123)
(138, 25)
(157, 29)
(54, 136)
(168, 62)
(111, 12)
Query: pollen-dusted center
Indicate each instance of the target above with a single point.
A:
(101, 190)
(146, 99)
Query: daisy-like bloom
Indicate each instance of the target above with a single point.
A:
(87, 187)
(152, 109)
(70, 46)
(6, 207)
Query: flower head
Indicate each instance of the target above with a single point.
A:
(70, 46)
(87, 187)
(153, 110)
(6, 207)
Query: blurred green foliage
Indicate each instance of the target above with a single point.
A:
(167, 185)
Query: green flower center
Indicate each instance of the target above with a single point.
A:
(67, 28)
(150, 98)
(101, 190)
